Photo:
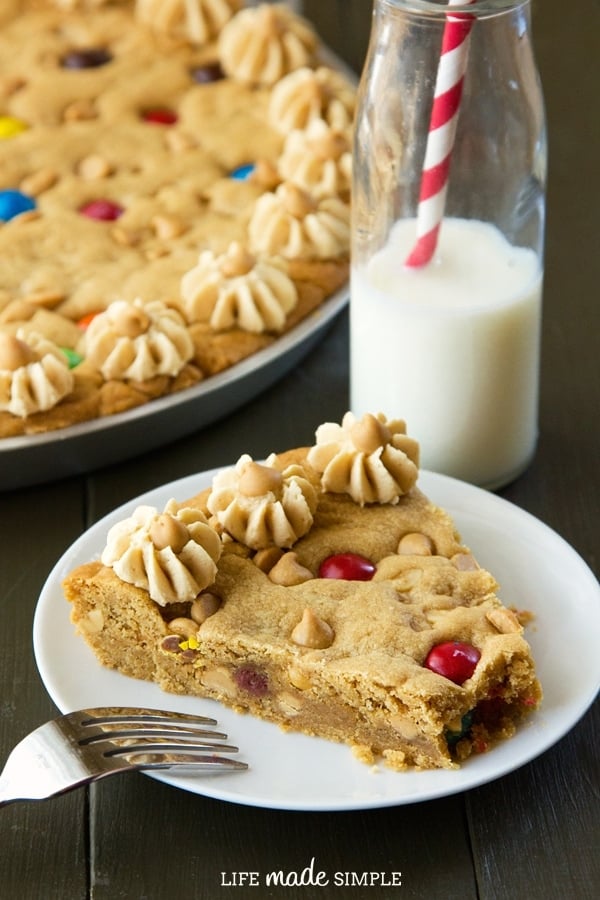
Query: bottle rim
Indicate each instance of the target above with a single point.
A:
(441, 8)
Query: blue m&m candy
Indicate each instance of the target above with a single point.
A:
(242, 172)
(13, 203)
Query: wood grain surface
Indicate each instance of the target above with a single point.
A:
(532, 835)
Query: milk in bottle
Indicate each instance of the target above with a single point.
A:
(451, 345)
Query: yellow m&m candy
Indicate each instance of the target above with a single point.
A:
(9, 127)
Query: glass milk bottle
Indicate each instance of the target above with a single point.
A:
(448, 230)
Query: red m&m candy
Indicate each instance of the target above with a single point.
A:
(160, 116)
(102, 210)
(454, 660)
(347, 567)
(253, 681)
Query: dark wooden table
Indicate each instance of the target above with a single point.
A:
(532, 834)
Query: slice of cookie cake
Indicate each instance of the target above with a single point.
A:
(323, 591)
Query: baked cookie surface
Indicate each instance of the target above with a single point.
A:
(135, 146)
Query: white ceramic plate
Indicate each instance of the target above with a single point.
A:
(34, 459)
(537, 570)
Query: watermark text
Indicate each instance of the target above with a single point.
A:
(310, 875)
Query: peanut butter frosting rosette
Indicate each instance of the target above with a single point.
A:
(198, 21)
(34, 374)
(137, 341)
(261, 506)
(84, 4)
(290, 222)
(236, 289)
(319, 160)
(307, 95)
(173, 555)
(371, 459)
(262, 44)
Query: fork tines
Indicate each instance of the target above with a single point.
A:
(154, 739)
(78, 748)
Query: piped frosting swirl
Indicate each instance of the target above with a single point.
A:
(34, 374)
(261, 506)
(371, 459)
(291, 223)
(137, 341)
(318, 159)
(262, 44)
(306, 95)
(80, 4)
(236, 289)
(173, 555)
(198, 21)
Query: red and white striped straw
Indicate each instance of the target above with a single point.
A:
(442, 131)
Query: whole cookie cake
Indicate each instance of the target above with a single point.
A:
(174, 196)
(320, 590)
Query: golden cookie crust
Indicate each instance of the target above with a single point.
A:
(365, 683)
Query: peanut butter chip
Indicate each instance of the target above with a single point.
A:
(297, 203)
(132, 322)
(289, 571)
(266, 559)
(204, 606)
(298, 678)
(313, 632)
(79, 111)
(465, 562)
(38, 182)
(46, 297)
(265, 174)
(177, 142)
(416, 544)
(504, 620)
(125, 238)
(166, 531)
(368, 434)
(290, 704)
(30, 215)
(237, 262)
(93, 167)
(329, 146)
(167, 227)
(14, 353)
(93, 623)
(219, 679)
(257, 480)
(187, 628)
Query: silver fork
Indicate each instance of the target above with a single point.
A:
(80, 747)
